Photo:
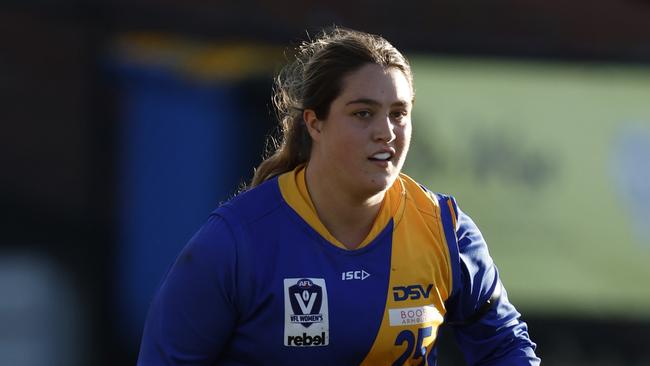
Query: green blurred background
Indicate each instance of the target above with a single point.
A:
(551, 160)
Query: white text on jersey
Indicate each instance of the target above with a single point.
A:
(354, 275)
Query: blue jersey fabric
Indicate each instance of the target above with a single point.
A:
(257, 285)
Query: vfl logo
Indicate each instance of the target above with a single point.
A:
(306, 300)
(306, 312)
(412, 292)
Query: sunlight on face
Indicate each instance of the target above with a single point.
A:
(364, 140)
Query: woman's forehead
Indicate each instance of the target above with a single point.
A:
(375, 84)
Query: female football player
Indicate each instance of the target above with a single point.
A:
(333, 256)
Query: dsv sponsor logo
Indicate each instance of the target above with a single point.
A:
(412, 292)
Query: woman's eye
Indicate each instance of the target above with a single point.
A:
(398, 114)
(362, 114)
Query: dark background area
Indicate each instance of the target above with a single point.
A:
(62, 99)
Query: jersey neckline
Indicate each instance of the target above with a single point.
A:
(293, 188)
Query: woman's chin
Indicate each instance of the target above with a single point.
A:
(380, 183)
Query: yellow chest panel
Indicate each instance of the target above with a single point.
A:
(420, 282)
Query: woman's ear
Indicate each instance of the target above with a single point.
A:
(313, 124)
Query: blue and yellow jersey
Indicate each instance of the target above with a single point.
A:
(263, 282)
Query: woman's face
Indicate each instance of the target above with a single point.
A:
(362, 144)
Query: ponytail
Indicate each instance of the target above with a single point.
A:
(292, 151)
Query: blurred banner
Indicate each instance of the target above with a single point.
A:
(552, 161)
(190, 134)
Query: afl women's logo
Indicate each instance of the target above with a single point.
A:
(306, 300)
(306, 312)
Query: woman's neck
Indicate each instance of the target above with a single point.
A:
(348, 216)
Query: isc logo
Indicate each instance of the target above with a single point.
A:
(354, 275)
(412, 292)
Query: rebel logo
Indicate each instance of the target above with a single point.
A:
(306, 340)
(306, 300)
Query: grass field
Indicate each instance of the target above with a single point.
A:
(552, 161)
